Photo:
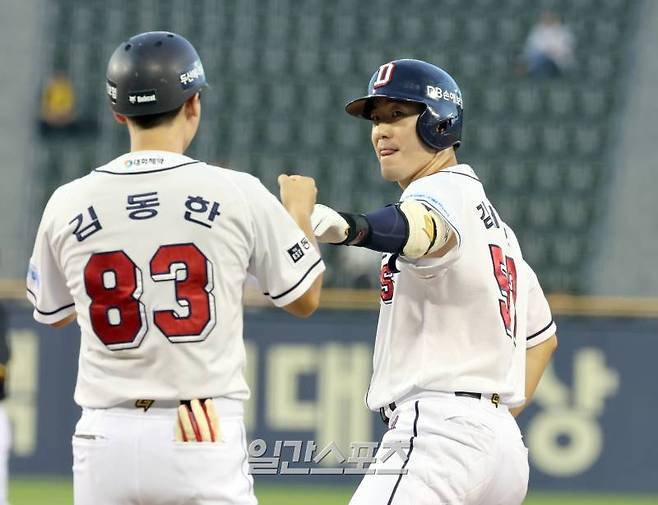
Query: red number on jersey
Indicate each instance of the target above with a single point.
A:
(387, 283)
(505, 273)
(114, 284)
(192, 275)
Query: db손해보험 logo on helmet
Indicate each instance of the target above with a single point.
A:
(437, 93)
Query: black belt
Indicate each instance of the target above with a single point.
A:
(478, 396)
(495, 397)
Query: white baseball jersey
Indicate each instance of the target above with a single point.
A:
(461, 322)
(151, 251)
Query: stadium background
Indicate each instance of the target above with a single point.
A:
(568, 162)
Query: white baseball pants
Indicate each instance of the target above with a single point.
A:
(128, 456)
(459, 451)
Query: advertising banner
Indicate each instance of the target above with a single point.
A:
(591, 426)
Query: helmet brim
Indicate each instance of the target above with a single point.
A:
(360, 107)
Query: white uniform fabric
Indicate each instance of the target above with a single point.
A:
(194, 285)
(457, 451)
(151, 252)
(441, 323)
(127, 456)
(459, 323)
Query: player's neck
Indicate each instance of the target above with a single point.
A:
(158, 139)
(441, 160)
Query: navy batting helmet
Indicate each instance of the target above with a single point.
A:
(152, 73)
(440, 124)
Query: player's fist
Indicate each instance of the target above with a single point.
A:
(197, 422)
(298, 193)
(328, 225)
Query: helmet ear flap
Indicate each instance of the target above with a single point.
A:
(438, 133)
(443, 126)
(427, 127)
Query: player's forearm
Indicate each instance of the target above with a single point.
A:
(537, 359)
(298, 195)
(308, 303)
(303, 220)
(63, 322)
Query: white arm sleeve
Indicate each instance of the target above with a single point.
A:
(540, 320)
(284, 261)
(46, 284)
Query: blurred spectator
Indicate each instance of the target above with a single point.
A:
(58, 105)
(549, 48)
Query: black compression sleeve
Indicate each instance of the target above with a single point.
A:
(384, 230)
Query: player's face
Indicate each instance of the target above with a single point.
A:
(401, 153)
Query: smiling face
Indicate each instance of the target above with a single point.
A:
(399, 149)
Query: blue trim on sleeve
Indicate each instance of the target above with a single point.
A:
(540, 331)
(46, 313)
(275, 297)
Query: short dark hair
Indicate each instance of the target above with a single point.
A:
(155, 120)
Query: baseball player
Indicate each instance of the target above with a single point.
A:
(464, 331)
(150, 253)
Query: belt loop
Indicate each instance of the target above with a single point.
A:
(382, 415)
(382, 411)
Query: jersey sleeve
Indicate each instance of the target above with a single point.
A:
(284, 261)
(46, 284)
(540, 326)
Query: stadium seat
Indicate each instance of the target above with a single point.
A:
(282, 70)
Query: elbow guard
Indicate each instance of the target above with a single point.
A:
(428, 231)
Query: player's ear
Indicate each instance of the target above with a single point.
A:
(119, 118)
(193, 106)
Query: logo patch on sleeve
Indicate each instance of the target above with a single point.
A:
(296, 252)
(33, 276)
